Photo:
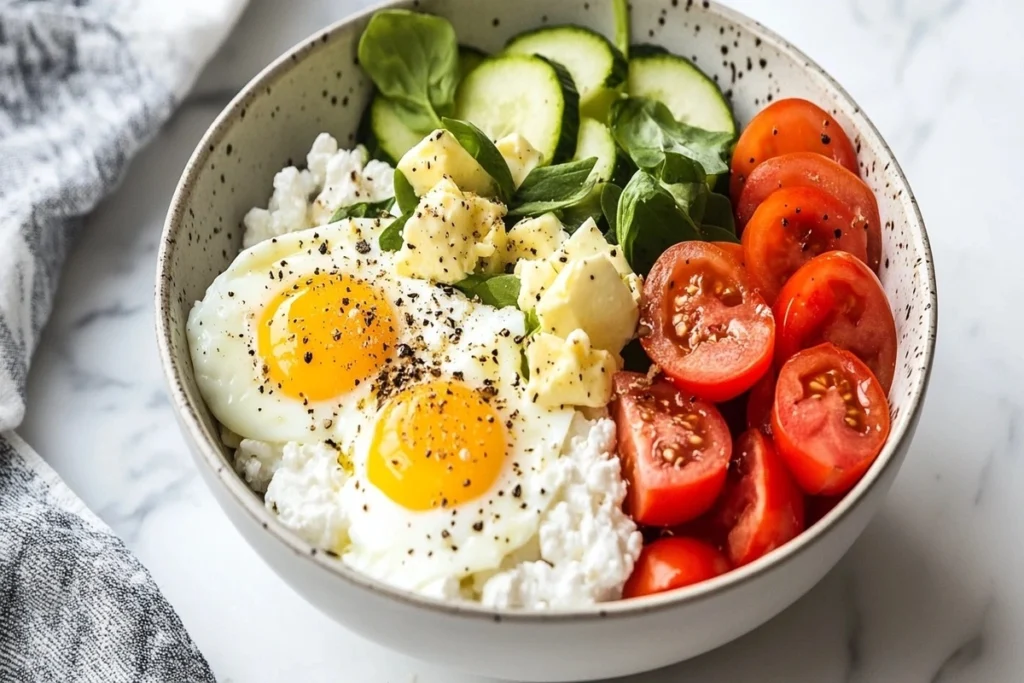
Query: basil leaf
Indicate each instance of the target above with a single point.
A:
(646, 129)
(551, 188)
(404, 194)
(610, 195)
(714, 233)
(649, 221)
(391, 238)
(364, 210)
(532, 322)
(413, 59)
(480, 147)
(494, 290)
(719, 213)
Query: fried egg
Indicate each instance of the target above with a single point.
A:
(312, 337)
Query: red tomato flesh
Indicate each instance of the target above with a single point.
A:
(790, 125)
(670, 563)
(806, 169)
(792, 226)
(733, 249)
(830, 419)
(836, 298)
(701, 322)
(762, 507)
(674, 450)
(759, 404)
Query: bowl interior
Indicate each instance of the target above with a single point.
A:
(319, 86)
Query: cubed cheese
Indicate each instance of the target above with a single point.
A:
(535, 238)
(451, 235)
(569, 371)
(590, 295)
(520, 156)
(534, 278)
(438, 156)
(588, 241)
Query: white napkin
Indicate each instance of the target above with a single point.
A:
(83, 85)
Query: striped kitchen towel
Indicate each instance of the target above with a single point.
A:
(83, 85)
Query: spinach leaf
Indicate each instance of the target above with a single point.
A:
(494, 290)
(404, 194)
(610, 195)
(714, 233)
(364, 210)
(550, 188)
(649, 221)
(719, 213)
(391, 238)
(480, 147)
(532, 322)
(413, 59)
(646, 129)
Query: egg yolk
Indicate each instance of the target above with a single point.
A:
(436, 445)
(324, 336)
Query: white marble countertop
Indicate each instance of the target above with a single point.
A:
(929, 593)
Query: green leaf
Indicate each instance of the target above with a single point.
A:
(391, 238)
(610, 195)
(649, 221)
(646, 129)
(364, 210)
(713, 233)
(404, 194)
(494, 290)
(532, 322)
(719, 213)
(413, 59)
(552, 188)
(480, 147)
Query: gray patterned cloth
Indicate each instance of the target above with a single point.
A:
(83, 85)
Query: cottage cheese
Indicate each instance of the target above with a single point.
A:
(333, 178)
(305, 493)
(588, 545)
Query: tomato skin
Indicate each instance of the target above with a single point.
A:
(825, 455)
(806, 169)
(670, 563)
(789, 125)
(792, 226)
(733, 249)
(759, 404)
(653, 418)
(836, 298)
(761, 507)
(727, 328)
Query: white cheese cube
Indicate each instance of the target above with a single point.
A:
(439, 156)
(569, 371)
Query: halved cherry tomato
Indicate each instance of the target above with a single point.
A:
(674, 450)
(670, 563)
(830, 419)
(792, 226)
(703, 325)
(790, 125)
(806, 169)
(733, 249)
(835, 298)
(759, 404)
(761, 507)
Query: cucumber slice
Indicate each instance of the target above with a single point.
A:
(393, 137)
(690, 95)
(595, 140)
(469, 59)
(523, 94)
(597, 67)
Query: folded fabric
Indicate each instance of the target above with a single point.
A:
(83, 85)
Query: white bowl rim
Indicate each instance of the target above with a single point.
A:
(212, 457)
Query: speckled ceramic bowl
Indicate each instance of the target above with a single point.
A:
(317, 86)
